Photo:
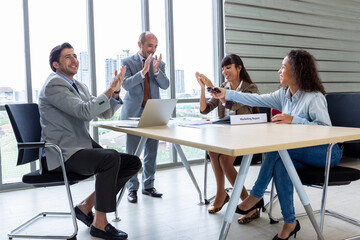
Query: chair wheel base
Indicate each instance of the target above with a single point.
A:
(272, 221)
(206, 202)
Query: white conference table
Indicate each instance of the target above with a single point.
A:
(246, 140)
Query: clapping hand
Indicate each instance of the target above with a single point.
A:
(203, 80)
(200, 81)
(156, 63)
(147, 64)
(118, 79)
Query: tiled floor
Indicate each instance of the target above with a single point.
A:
(177, 215)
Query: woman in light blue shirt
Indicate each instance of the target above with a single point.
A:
(301, 101)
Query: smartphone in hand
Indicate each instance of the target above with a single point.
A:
(213, 90)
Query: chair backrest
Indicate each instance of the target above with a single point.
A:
(267, 111)
(263, 110)
(344, 111)
(25, 121)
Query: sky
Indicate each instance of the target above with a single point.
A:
(117, 27)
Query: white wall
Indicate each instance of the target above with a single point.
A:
(263, 31)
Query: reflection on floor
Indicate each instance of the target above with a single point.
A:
(177, 215)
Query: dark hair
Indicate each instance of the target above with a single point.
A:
(304, 70)
(235, 59)
(55, 53)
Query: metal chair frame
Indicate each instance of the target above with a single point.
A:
(36, 145)
(322, 211)
(15, 233)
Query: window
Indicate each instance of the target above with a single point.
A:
(117, 25)
(51, 26)
(157, 26)
(12, 84)
(12, 62)
(193, 45)
(117, 28)
(8, 146)
(192, 110)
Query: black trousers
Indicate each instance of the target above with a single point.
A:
(111, 168)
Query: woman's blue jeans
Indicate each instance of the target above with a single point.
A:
(273, 167)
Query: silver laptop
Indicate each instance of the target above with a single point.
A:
(157, 112)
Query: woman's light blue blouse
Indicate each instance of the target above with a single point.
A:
(305, 107)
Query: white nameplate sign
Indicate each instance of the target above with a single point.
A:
(243, 119)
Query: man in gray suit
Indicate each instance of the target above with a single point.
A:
(66, 107)
(144, 76)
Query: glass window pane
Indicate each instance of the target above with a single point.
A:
(193, 153)
(12, 62)
(115, 39)
(192, 110)
(193, 52)
(112, 139)
(64, 23)
(12, 84)
(164, 154)
(8, 146)
(193, 45)
(157, 26)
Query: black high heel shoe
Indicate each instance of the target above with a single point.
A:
(297, 228)
(258, 205)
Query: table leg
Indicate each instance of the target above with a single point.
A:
(300, 190)
(326, 183)
(188, 169)
(206, 200)
(239, 183)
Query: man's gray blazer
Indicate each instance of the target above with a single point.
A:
(134, 85)
(65, 115)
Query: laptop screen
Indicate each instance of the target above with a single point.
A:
(157, 112)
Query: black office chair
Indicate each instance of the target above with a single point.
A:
(344, 111)
(257, 158)
(25, 121)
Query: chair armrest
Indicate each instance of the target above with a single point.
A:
(29, 145)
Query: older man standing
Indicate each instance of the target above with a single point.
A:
(145, 75)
